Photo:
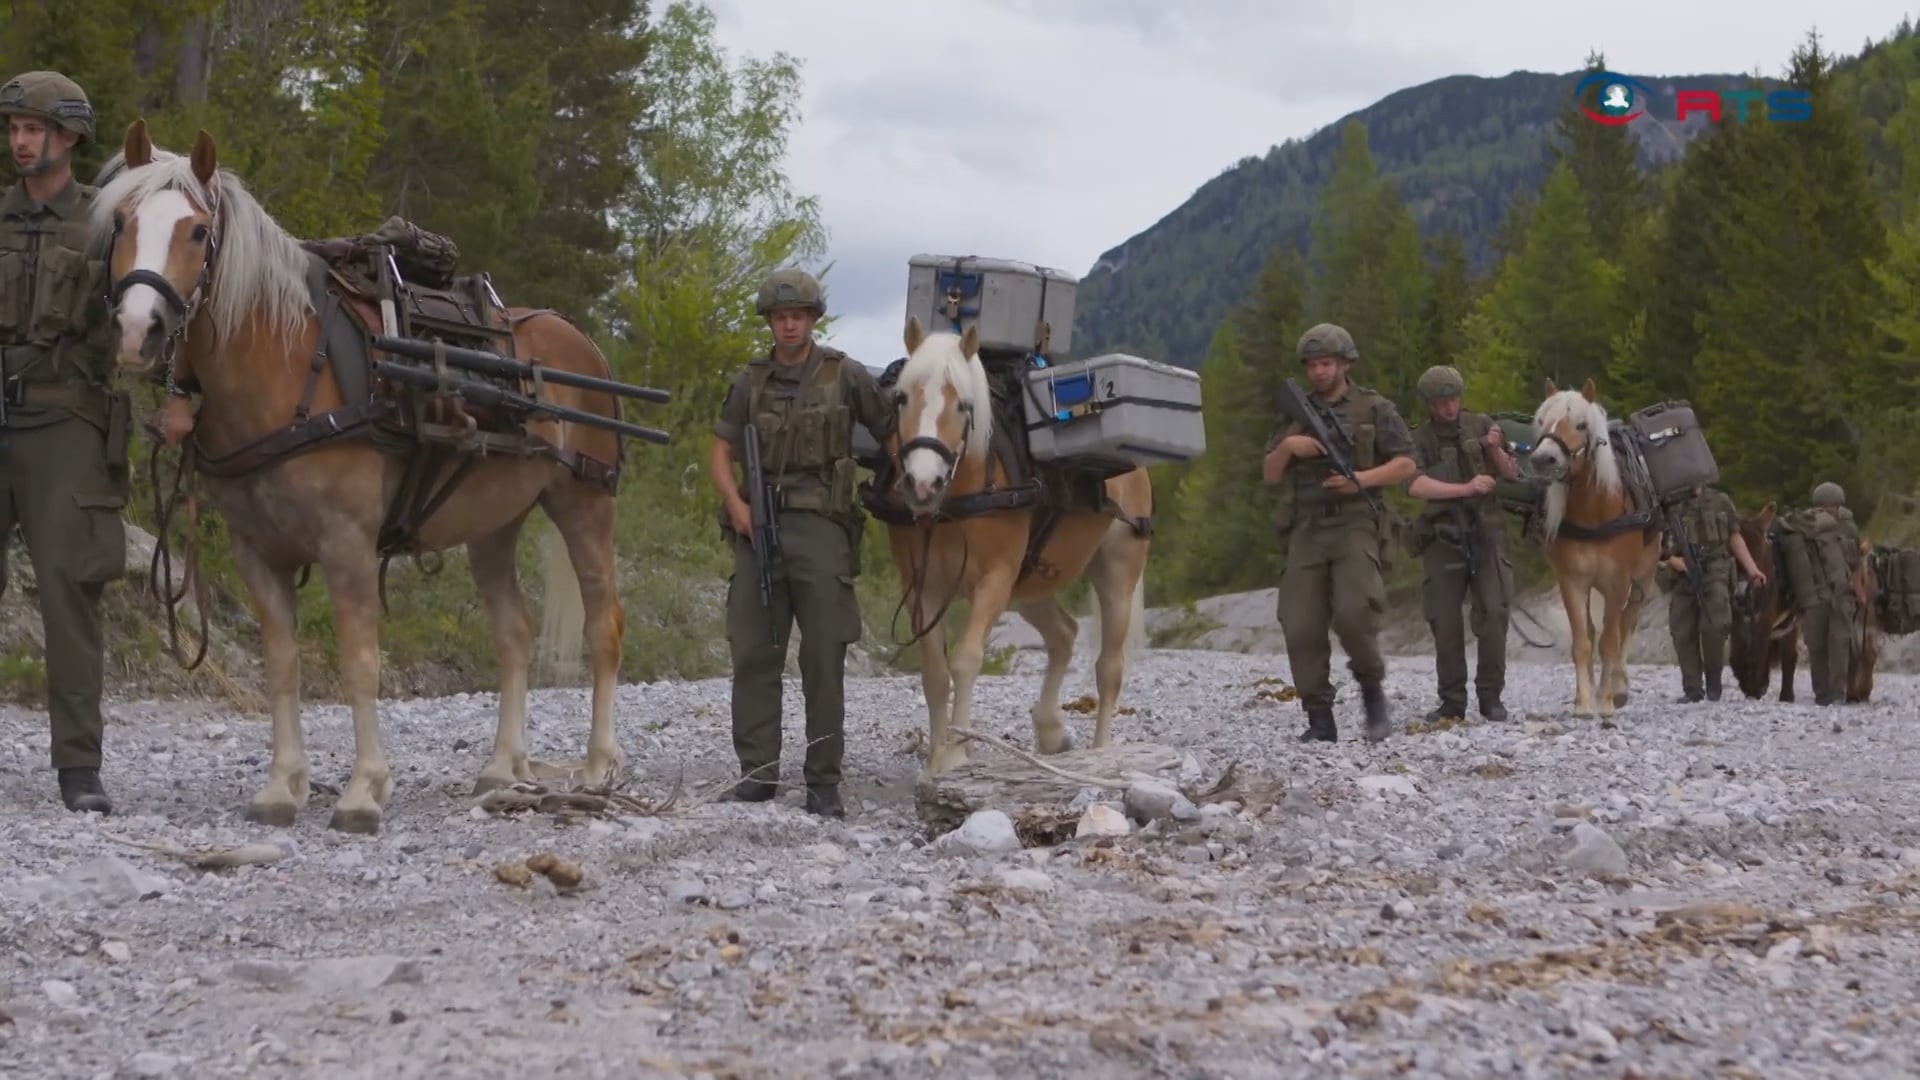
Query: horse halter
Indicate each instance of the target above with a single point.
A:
(949, 457)
(181, 310)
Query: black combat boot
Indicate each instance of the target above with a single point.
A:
(751, 790)
(1491, 708)
(1320, 727)
(1379, 715)
(1689, 695)
(1447, 711)
(824, 800)
(80, 789)
(1713, 686)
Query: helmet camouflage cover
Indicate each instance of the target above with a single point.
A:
(791, 288)
(50, 96)
(1327, 339)
(1829, 494)
(1441, 383)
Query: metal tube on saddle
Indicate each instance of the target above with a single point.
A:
(486, 394)
(487, 363)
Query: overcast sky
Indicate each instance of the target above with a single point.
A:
(1052, 130)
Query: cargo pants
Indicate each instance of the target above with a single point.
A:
(812, 584)
(1828, 628)
(1701, 626)
(56, 487)
(1446, 588)
(1333, 582)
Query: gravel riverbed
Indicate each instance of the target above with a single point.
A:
(1712, 890)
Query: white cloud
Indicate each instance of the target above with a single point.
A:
(1052, 130)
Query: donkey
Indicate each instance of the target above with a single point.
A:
(208, 289)
(1594, 539)
(985, 555)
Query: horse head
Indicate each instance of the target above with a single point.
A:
(1572, 426)
(945, 412)
(180, 227)
(163, 244)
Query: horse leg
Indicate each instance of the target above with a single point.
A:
(1116, 573)
(1789, 646)
(1577, 598)
(585, 517)
(279, 802)
(491, 559)
(1637, 592)
(1613, 637)
(353, 585)
(984, 607)
(936, 681)
(1058, 629)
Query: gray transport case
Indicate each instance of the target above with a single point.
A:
(1114, 412)
(1016, 306)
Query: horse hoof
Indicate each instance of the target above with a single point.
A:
(356, 822)
(274, 815)
(485, 783)
(1620, 699)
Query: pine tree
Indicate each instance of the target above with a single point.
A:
(1787, 346)
(1368, 274)
(1449, 299)
(1604, 159)
(1555, 308)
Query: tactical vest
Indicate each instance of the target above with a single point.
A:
(1459, 453)
(806, 433)
(1704, 519)
(1356, 412)
(52, 289)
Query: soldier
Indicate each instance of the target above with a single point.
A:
(64, 435)
(803, 399)
(1700, 624)
(1829, 611)
(1462, 542)
(1335, 537)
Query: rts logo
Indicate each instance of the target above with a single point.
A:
(1622, 99)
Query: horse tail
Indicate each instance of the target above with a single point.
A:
(563, 614)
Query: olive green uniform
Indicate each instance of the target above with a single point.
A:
(1700, 625)
(804, 414)
(1336, 547)
(63, 446)
(1462, 544)
(1828, 607)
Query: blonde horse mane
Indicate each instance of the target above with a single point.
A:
(940, 361)
(259, 265)
(1573, 407)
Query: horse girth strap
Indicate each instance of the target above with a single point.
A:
(1640, 521)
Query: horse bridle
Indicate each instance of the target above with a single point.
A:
(181, 309)
(949, 457)
(1586, 449)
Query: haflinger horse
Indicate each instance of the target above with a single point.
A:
(1866, 634)
(1595, 540)
(207, 287)
(1766, 629)
(945, 410)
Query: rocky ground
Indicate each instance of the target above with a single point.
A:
(1722, 889)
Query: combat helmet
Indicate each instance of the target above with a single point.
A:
(1829, 494)
(1327, 339)
(791, 288)
(50, 96)
(1441, 383)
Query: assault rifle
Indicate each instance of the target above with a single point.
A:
(486, 363)
(765, 530)
(490, 396)
(1688, 552)
(1325, 428)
